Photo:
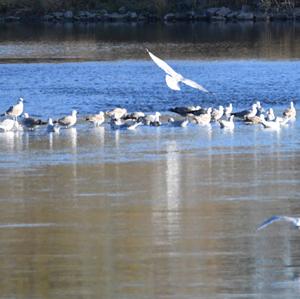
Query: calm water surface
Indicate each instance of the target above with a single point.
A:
(156, 213)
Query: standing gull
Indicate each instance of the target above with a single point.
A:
(96, 119)
(30, 122)
(173, 78)
(51, 128)
(8, 125)
(227, 124)
(68, 121)
(15, 110)
(295, 222)
(290, 112)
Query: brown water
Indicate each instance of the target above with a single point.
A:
(79, 220)
(161, 212)
(65, 42)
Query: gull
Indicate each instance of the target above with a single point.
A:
(227, 124)
(173, 78)
(178, 123)
(134, 115)
(270, 115)
(15, 110)
(228, 110)
(259, 107)
(68, 121)
(295, 222)
(290, 112)
(246, 113)
(8, 125)
(203, 119)
(217, 113)
(30, 122)
(117, 113)
(275, 125)
(254, 120)
(184, 111)
(96, 119)
(152, 119)
(51, 128)
(118, 124)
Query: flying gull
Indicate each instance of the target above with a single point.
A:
(295, 222)
(173, 78)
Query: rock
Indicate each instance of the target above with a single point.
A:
(183, 17)
(122, 10)
(201, 17)
(279, 17)
(132, 16)
(116, 17)
(91, 15)
(83, 14)
(68, 14)
(103, 12)
(217, 18)
(245, 8)
(258, 16)
(58, 15)
(212, 11)
(232, 15)
(245, 16)
(12, 19)
(141, 18)
(24, 12)
(47, 18)
(169, 17)
(223, 11)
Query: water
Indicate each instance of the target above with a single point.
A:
(156, 213)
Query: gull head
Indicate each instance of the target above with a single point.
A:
(209, 110)
(26, 115)
(21, 100)
(258, 104)
(50, 121)
(74, 112)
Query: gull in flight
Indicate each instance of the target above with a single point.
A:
(173, 78)
(295, 222)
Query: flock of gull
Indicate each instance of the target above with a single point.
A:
(119, 118)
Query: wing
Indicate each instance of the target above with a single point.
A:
(65, 120)
(10, 109)
(274, 219)
(194, 84)
(164, 66)
(172, 83)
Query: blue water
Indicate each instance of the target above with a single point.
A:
(55, 89)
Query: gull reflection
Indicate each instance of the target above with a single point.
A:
(71, 138)
(7, 141)
(173, 176)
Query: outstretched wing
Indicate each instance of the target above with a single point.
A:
(173, 78)
(164, 66)
(172, 83)
(194, 84)
(274, 219)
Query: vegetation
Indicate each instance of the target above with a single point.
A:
(154, 6)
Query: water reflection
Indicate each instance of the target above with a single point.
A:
(127, 41)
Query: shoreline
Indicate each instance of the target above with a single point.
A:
(213, 14)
